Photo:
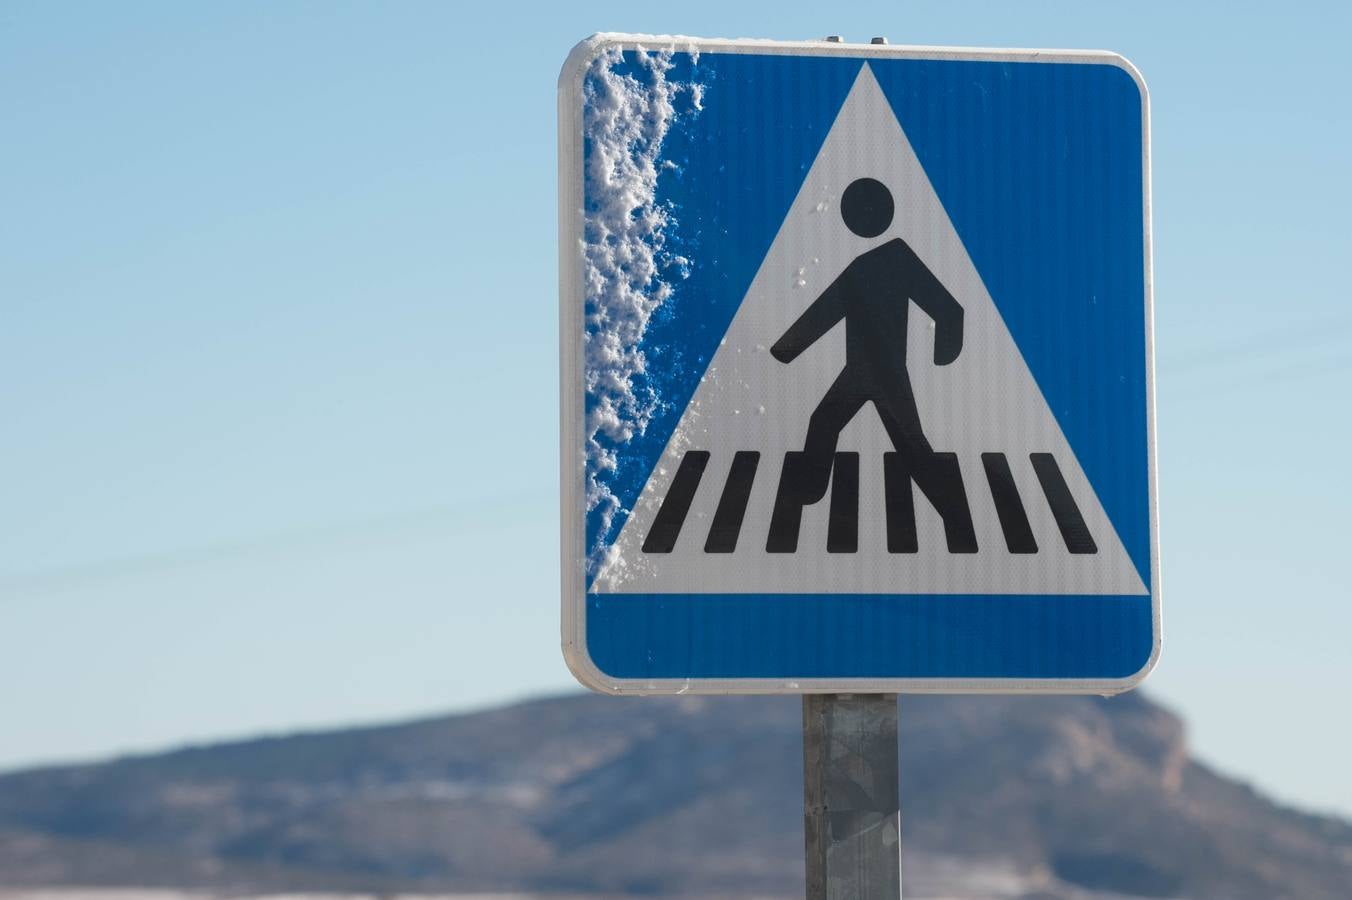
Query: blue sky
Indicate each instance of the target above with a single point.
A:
(278, 366)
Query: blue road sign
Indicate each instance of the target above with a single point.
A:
(857, 376)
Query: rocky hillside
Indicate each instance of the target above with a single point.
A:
(1057, 797)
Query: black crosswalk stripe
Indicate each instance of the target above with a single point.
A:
(942, 485)
(1008, 504)
(842, 529)
(803, 484)
(667, 525)
(1073, 529)
(727, 524)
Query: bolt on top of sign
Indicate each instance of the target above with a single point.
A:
(857, 377)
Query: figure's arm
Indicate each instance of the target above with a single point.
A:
(931, 296)
(816, 320)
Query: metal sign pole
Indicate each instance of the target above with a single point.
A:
(851, 807)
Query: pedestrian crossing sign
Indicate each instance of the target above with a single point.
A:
(857, 376)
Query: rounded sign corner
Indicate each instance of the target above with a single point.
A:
(587, 672)
(580, 58)
(1134, 680)
(1120, 62)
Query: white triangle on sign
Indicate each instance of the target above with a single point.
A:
(986, 401)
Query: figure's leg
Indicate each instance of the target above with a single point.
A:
(902, 420)
(936, 474)
(806, 473)
(842, 400)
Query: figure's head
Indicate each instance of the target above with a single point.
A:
(866, 207)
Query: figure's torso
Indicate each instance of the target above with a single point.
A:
(877, 304)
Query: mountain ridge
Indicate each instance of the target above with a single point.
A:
(688, 796)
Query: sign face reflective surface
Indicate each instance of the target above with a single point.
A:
(857, 378)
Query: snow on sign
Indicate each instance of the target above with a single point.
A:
(857, 373)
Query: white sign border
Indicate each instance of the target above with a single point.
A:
(572, 472)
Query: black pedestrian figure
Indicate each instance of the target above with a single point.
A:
(873, 296)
